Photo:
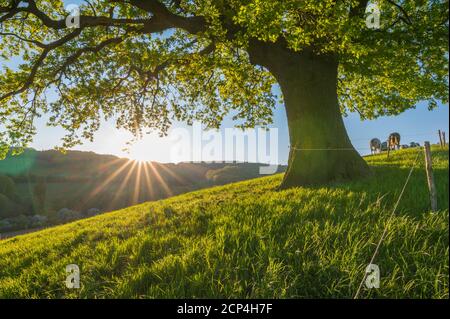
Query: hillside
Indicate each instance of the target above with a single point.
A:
(82, 181)
(248, 239)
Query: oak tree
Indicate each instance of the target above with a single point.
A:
(146, 63)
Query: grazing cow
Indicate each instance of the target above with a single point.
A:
(384, 146)
(404, 146)
(375, 146)
(394, 141)
(414, 144)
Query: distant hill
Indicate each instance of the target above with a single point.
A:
(250, 240)
(82, 180)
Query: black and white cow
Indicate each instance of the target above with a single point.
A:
(375, 146)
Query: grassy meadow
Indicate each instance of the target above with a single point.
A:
(250, 240)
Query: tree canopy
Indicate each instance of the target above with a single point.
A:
(148, 63)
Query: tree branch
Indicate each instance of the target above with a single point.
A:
(38, 63)
(161, 19)
(406, 19)
(85, 21)
(37, 43)
(192, 25)
(92, 49)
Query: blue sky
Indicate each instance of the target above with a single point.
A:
(416, 125)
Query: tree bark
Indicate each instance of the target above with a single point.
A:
(321, 150)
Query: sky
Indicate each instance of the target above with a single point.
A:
(418, 125)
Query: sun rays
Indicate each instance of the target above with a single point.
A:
(134, 181)
(161, 181)
(108, 180)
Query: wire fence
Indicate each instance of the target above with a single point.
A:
(383, 236)
(361, 139)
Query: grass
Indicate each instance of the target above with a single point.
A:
(248, 240)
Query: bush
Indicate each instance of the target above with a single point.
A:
(38, 221)
(66, 215)
(5, 225)
(20, 222)
(92, 212)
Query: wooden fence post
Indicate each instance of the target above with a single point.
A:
(430, 177)
(440, 138)
(443, 139)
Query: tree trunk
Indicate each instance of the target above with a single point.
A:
(321, 150)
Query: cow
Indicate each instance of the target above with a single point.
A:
(394, 141)
(414, 144)
(375, 146)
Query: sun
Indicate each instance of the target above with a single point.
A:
(138, 152)
(137, 157)
(146, 149)
(139, 160)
